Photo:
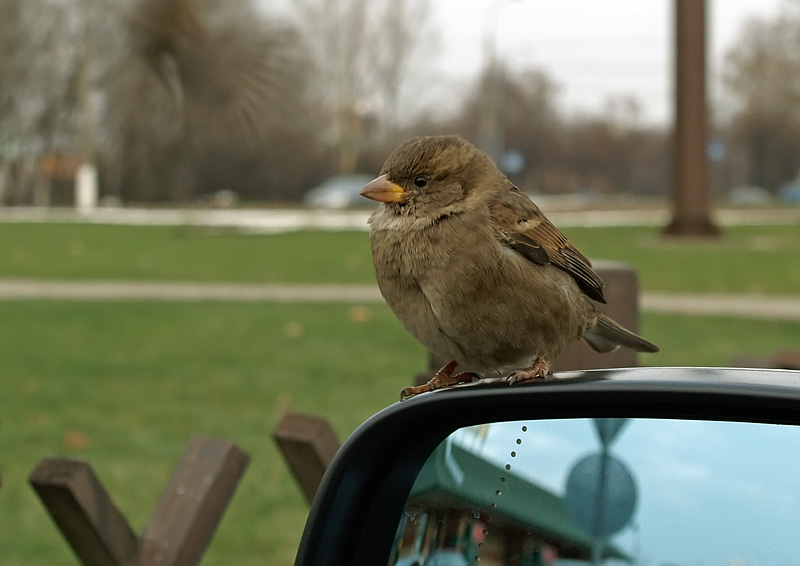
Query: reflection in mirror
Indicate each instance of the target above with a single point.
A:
(612, 491)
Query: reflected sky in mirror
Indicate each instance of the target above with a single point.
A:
(706, 493)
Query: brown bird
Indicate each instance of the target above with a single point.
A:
(475, 271)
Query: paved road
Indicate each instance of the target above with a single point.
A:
(288, 219)
(746, 306)
(12, 288)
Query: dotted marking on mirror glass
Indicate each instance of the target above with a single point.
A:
(499, 492)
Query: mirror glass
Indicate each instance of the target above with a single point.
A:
(607, 491)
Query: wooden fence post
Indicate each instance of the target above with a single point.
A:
(192, 505)
(83, 511)
(622, 293)
(179, 529)
(308, 445)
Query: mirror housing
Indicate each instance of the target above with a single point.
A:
(354, 517)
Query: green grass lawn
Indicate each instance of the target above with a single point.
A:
(76, 251)
(125, 385)
(748, 259)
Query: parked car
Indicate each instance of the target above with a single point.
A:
(749, 195)
(789, 192)
(339, 192)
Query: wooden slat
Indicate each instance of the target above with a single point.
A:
(83, 511)
(192, 504)
(308, 445)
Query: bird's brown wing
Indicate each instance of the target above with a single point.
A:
(526, 230)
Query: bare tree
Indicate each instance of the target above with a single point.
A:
(153, 89)
(198, 74)
(760, 76)
(608, 153)
(37, 92)
(364, 53)
(224, 64)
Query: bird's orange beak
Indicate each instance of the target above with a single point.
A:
(382, 189)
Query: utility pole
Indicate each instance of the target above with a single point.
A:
(690, 185)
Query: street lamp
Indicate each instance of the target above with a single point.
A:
(490, 126)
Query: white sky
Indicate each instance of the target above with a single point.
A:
(592, 48)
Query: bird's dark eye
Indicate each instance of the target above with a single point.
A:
(420, 181)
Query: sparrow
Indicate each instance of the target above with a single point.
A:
(474, 270)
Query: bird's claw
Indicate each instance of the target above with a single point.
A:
(540, 370)
(443, 378)
(410, 391)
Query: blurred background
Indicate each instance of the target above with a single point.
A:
(183, 251)
(255, 101)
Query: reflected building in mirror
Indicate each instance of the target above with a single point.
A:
(467, 509)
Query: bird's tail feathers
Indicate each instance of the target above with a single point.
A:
(608, 335)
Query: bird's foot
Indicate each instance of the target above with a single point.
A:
(443, 378)
(540, 370)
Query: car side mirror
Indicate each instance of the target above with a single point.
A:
(641, 465)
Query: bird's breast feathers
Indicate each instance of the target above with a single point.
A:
(423, 248)
(458, 258)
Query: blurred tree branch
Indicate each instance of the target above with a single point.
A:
(364, 53)
(163, 81)
(226, 69)
(37, 91)
(761, 74)
(234, 78)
